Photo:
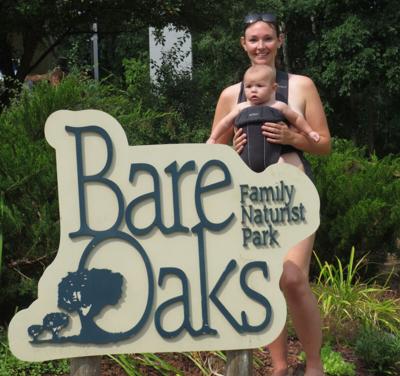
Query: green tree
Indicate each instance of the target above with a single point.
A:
(360, 204)
(351, 49)
(34, 21)
(28, 184)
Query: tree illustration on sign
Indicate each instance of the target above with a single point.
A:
(87, 292)
(55, 322)
(35, 331)
(52, 322)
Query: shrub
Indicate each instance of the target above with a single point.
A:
(360, 204)
(28, 187)
(175, 94)
(379, 350)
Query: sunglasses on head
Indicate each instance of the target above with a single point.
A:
(255, 17)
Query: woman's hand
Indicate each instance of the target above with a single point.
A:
(278, 133)
(239, 140)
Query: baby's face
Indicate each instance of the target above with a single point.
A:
(258, 90)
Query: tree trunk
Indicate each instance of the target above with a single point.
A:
(285, 52)
(353, 118)
(371, 121)
(5, 56)
(6, 68)
(30, 43)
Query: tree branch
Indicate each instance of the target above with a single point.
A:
(25, 262)
(45, 53)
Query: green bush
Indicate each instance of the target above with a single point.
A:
(29, 220)
(10, 365)
(379, 350)
(165, 122)
(184, 96)
(360, 204)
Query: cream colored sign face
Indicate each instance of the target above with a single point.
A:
(162, 248)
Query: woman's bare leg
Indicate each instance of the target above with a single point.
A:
(301, 302)
(293, 159)
(279, 354)
(303, 309)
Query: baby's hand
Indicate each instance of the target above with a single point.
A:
(210, 141)
(314, 136)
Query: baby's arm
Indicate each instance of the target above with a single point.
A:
(225, 124)
(298, 121)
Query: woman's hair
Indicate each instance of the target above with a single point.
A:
(269, 18)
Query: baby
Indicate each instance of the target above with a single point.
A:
(260, 107)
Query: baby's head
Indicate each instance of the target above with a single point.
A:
(259, 83)
(260, 73)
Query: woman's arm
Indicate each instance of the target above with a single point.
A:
(226, 103)
(298, 121)
(224, 125)
(305, 95)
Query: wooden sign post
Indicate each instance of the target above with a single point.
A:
(162, 247)
(86, 366)
(239, 363)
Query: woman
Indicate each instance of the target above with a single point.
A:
(261, 41)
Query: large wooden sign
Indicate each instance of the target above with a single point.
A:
(162, 248)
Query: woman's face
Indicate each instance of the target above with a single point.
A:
(261, 43)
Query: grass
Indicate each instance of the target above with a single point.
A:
(201, 362)
(347, 303)
(206, 363)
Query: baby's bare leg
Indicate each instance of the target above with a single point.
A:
(293, 159)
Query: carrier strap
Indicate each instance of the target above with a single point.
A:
(282, 79)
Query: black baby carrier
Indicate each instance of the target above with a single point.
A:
(258, 153)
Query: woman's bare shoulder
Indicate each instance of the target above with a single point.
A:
(231, 92)
(300, 81)
(228, 99)
(302, 90)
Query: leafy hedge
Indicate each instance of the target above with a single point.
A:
(360, 204)
(360, 196)
(29, 203)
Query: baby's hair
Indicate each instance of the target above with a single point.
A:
(265, 71)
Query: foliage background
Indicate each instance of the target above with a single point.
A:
(349, 48)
